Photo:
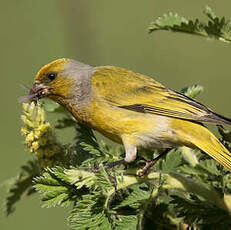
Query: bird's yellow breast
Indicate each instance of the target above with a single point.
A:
(114, 122)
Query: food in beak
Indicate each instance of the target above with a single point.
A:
(37, 92)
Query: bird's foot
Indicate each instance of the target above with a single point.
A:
(141, 161)
(149, 164)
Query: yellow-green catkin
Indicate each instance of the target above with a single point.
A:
(39, 134)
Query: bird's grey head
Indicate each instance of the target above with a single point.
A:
(81, 73)
(77, 70)
(63, 79)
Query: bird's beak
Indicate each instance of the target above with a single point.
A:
(38, 91)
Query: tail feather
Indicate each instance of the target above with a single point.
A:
(199, 136)
(222, 156)
(214, 148)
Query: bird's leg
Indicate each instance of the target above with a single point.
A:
(113, 164)
(130, 156)
(108, 165)
(149, 164)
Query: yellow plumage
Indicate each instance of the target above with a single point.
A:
(196, 135)
(131, 108)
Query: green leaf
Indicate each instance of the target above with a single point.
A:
(192, 91)
(89, 152)
(209, 12)
(55, 188)
(167, 21)
(102, 181)
(225, 133)
(136, 195)
(85, 142)
(206, 172)
(128, 222)
(172, 161)
(49, 105)
(89, 214)
(209, 166)
(21, 185)
(90, 149)
(202, 214)
(65, 123)
(80, 178)
(85, 134)
(189, 155)
(216, 28)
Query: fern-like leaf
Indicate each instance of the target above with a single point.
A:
(217, 28)
(22, 185)
(89, 214)
(55, 188)
(192, 91)
(137, 194)
(172, 161)
(128, 222)
(202, 214)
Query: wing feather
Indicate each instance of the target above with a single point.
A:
(133, 91)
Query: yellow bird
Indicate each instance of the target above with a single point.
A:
(130, 108)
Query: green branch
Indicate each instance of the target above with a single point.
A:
(172, 181)
(215, 28)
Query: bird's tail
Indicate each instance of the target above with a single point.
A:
(202, 138)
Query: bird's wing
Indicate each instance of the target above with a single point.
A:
(129, 90)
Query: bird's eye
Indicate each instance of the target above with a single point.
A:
(52, 76)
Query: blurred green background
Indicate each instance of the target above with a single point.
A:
(98, 33)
